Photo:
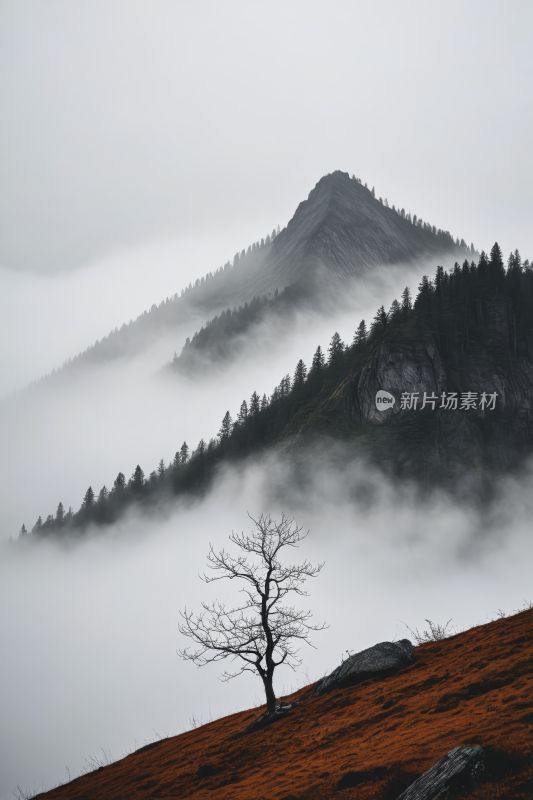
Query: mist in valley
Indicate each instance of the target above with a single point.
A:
(89, 630)
(89, 627)
(63, 436)
(143, 144)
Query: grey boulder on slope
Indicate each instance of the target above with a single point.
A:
(382, 659)
(458, 770)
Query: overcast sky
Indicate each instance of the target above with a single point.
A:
(125, 122)
(141, 145)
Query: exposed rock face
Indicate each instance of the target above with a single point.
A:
(342, 228)
(439, 443)
(402, 370)
(338, 233)
(381, 659)
(457, 770)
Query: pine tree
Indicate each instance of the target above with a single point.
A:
(137, 480)
(22, 532)
(483, 267)
(88, 500)
(407, 302)
(318, 362)
(60, 515)
(360, 334)
(38, 525)
(264, 403)
(103, 496)
(496, 267)
(422, 303)
(254, 405)
(242, 416)
(275, 396)
(285, 386)
(394, 311)
(380, 321)
(200, 450)
(335, 350)
(161, 469)
(184, 453)
(119, 483)
(439, 283)
(300, 374)
(226, 427)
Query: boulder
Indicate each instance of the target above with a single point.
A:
(380, 660)
(457, 771)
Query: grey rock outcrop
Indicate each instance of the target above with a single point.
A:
(396, 371)
(343, 231)
(458, 770)
(339, 233)
(455, 447)
(382, 659)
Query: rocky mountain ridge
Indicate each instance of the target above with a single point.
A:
(339, 233)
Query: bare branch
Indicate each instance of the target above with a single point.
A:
(263, 632)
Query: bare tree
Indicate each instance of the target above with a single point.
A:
(262, 632)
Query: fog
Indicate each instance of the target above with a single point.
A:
(60, 438)
(126, 120)
(89, 632)
(47, 318)
(142, 144)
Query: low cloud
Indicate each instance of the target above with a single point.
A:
(61, 438)
(89, 630)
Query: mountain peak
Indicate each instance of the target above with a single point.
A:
(343, 229)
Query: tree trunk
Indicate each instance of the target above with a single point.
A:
(269, 691)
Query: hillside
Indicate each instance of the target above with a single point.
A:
(456, 365)
(338, 233)
(375, 738)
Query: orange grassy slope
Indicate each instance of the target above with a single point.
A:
(476, 687)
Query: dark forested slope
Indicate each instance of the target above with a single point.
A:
(455, 367)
